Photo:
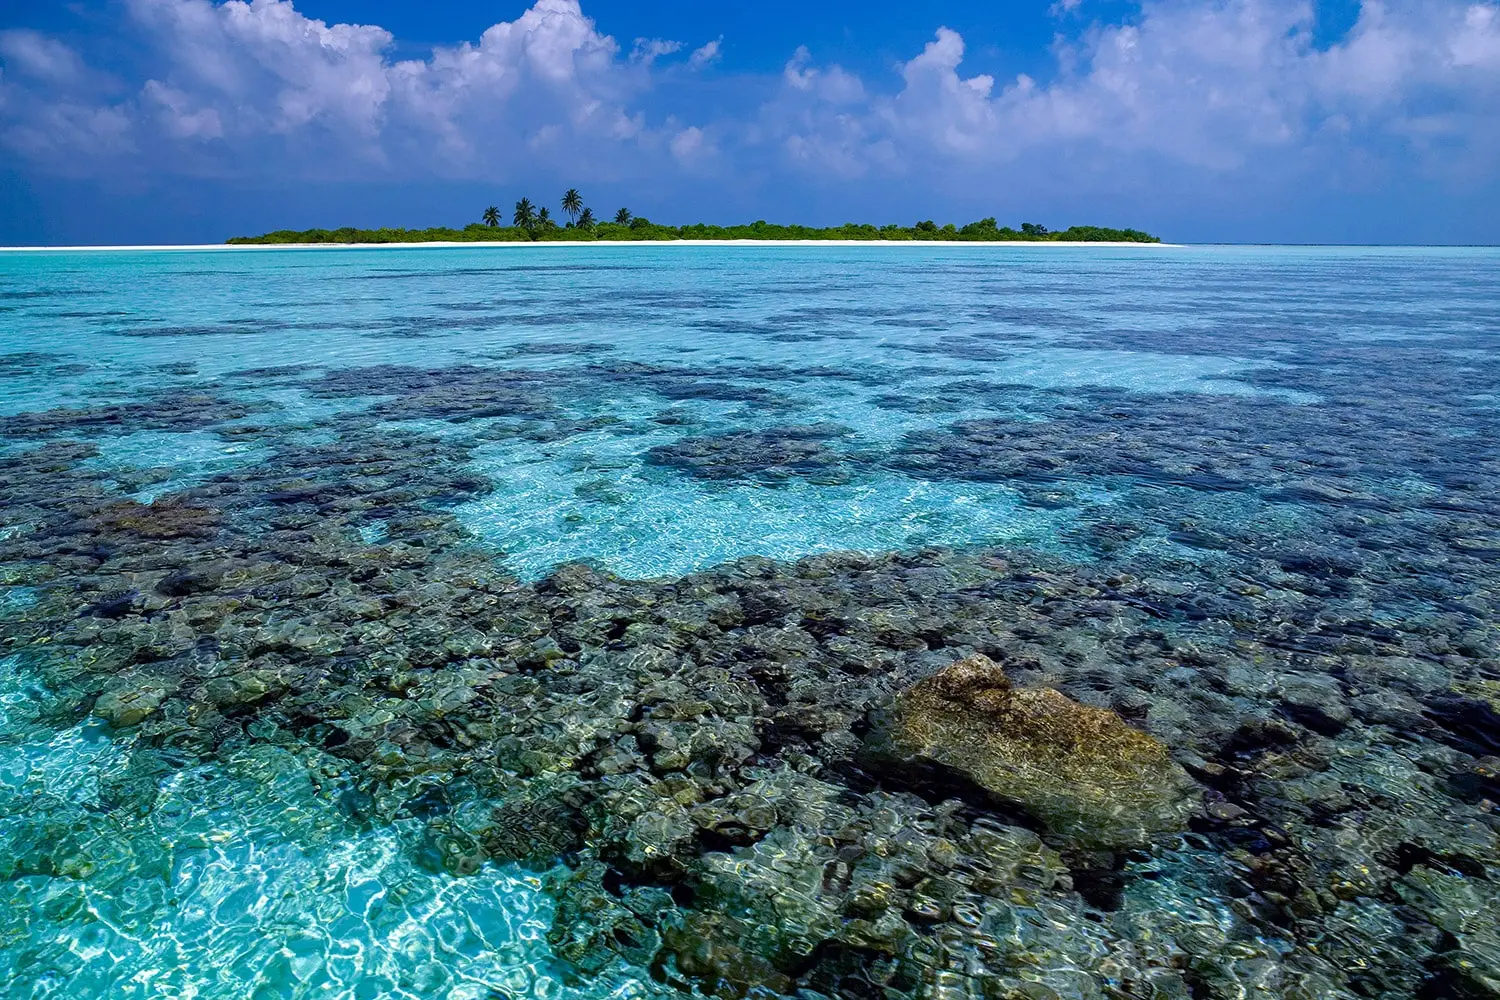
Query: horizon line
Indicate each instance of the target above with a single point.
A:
(451, 244)
(579, 243)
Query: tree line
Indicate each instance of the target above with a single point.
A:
(530, 222)
(535, 221)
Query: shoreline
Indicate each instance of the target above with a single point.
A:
(586, 243)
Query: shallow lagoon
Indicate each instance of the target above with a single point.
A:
(298, 702)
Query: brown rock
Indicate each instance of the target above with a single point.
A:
(1089, 777)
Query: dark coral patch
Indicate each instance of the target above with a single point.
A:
(169, 411)
(463, 392)
(775, 455)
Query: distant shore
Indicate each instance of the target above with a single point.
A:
(539, 228)
(594, 243)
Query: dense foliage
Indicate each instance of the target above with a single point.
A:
(538, 227)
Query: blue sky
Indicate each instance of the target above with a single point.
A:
(1203, 120)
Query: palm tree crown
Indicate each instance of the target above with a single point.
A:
(586, 219)
(622, 217)
(492, 216)
(572, 204)
(525, 215)
(544, 218)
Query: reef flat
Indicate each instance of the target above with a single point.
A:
(1180, 678)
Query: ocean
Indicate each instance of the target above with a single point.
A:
(569, 621)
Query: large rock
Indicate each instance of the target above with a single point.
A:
(1090, 778)
(131, 700)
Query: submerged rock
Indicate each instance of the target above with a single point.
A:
(162, 521)
(774, 455)
(1088, 777)
(128, 705)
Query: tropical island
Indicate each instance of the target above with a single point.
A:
(532, 224)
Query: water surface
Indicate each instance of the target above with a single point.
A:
(507, 622)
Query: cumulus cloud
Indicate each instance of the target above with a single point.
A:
(547, 79)
(940, 107)
(1209, 85)
(232, 77)
(1213, 86)
(648, 50)
(265, 67)
(32, 54)
(178, 115)
(48, 107)
(832, 84)
(1479, 44)
(707, 54)
(688, 144)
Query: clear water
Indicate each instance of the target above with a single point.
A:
(241, 882)
(647, 410)
(875, 316)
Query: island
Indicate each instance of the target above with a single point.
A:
(532, 224)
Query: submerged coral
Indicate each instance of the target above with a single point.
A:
(773, 455)
(1090, 778)
(168, 411)
(1232, 735)
(704, 756)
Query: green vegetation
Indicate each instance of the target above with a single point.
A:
(530, 223)
(524, 218)
(572, 204)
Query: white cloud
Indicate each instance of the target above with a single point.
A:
(264, 67)
(648, 50)
(707, 54)
(688, 144)
(1213, 86)
(834, 84)
(178, 115)
(72, 137)
(1478, 44)
(32, 54)
(47, 109)
(230, 77)
(548, 78)
(940, 107)
(1210, 85)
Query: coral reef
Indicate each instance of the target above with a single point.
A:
(1228, 731)
(1088, 777)
(704, 759)
(772, 455)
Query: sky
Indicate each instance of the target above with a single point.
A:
(1307, 121)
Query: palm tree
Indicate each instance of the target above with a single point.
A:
(525, 216)
(572, 204)
(586, 219)
(492, 217)
(622, 217)
(544, 219)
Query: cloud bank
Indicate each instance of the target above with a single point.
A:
(1208, 89)
(1206, 85)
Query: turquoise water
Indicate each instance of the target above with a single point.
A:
(289, 649)
(704, 315)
